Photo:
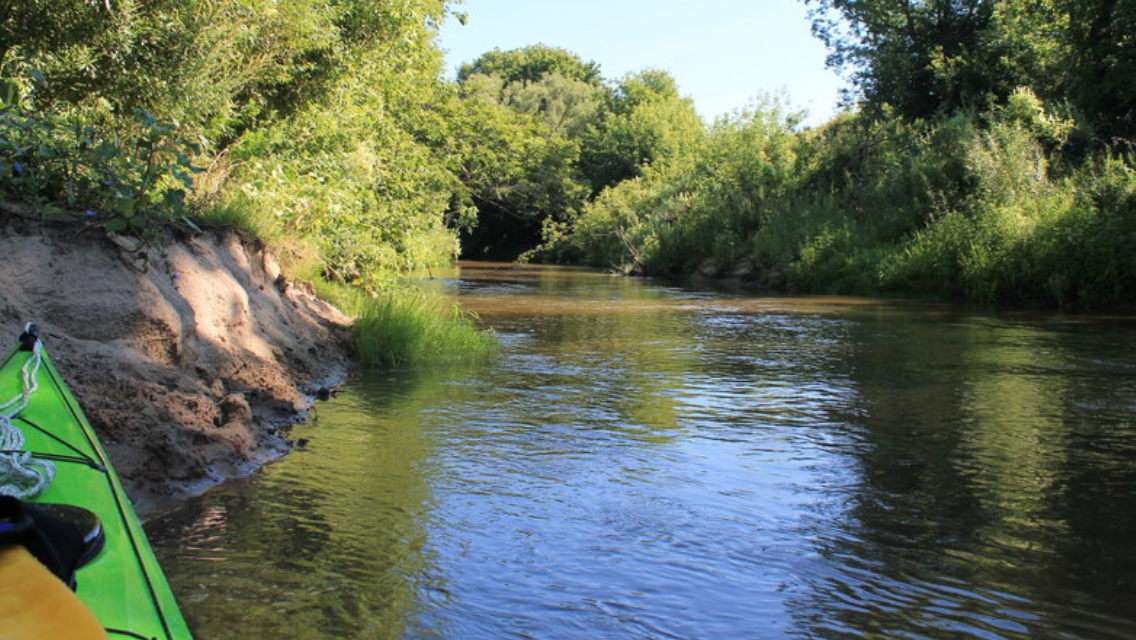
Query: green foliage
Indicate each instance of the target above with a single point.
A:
(642, 121)
(402, 327)
(920, 59)
(372, 195)
(694, 204)
(531, 64)
(127, 179)
(238, 211)
(507, 160)
(564, 106)
(979, 207)
(984, 164)
(1026, 110)
(41, 26)
(611, 230)
(513, 135)
(1102, 59)
(217, 66)
(981, 165)
(1031, 38)
(211, 65)
(530, 175)
(305, 106)
(1024, 236)
(986, 211)
(348, 167)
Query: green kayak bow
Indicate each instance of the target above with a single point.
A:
(123, 585)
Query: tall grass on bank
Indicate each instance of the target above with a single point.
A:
(237, 211)
(405, 327)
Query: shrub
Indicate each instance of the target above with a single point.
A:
(125, 178)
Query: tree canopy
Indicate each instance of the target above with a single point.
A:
(531, 64)
(592, 135)
(642, 121)
(919, 58)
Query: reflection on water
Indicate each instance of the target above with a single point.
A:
(646, 461)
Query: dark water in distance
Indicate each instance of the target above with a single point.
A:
(647, 461)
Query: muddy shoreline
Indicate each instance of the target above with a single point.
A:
(191, 355)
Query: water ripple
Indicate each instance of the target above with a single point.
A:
(649, 462)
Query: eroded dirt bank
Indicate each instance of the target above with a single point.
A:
(190, 368)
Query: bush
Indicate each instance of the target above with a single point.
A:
(986, 207)
(1023, 236)
(126, 179)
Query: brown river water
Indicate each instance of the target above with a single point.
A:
(645, 460)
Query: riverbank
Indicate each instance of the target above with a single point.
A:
(190, 358)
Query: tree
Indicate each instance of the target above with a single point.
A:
(564, 106)
(520, 116)
(515, 171)
(531, 64)
(37, 26)
(920, 57)
(641, 121)
(925, 57)
(1103, 65)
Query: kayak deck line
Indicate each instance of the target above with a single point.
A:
(79, 455)
(56, 457)
(124, 586)
(116, 491)
(128, 634)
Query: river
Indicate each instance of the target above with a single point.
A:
(651, 461)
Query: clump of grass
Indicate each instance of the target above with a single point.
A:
(238, 211)
(405, 327)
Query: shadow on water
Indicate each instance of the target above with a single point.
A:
(326, 544)
(650, 461)
(989, 485)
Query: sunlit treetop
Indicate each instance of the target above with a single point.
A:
(532, 64)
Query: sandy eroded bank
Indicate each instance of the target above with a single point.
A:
(189, 368)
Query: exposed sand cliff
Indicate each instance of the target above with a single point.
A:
(189, 359)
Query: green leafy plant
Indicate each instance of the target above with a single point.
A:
(124, 179)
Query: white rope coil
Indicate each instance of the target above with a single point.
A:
(21, 475)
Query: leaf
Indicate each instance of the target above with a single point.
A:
(116, 225)
(8, 95)
(176, 197)
(191, 225)
(105, 151)
(125, 207)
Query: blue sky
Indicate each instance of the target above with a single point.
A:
(722, 52)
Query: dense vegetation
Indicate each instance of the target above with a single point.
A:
(562, 136)
(989, 157)
(300, 120)
(986, 152)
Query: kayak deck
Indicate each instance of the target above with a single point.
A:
(124, 585)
